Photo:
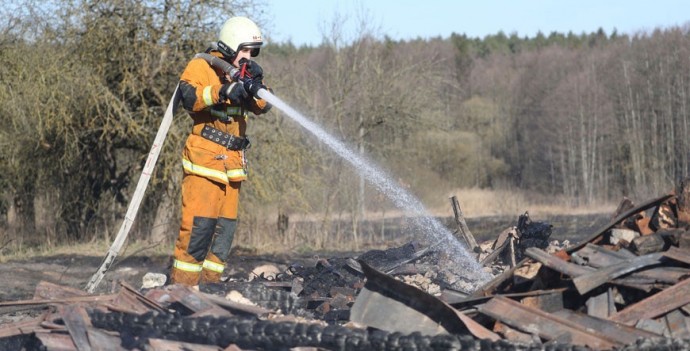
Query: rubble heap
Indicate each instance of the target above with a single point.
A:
(624, 287)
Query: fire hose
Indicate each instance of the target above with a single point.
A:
(238, 75)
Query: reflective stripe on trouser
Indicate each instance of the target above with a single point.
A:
(220, 248)
(203, 202)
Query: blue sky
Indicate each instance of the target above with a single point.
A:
(304, 22)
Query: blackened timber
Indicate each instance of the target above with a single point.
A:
(462, 302)
(595, 237)
(88, 298)
(103, 341)
(492, 285)
(546, 302)
(47, 290)
(546, 325)
(587, 282)
(655, 305)
(556, 263)
(392, 266)
(598, 257)
(170, 345)
(602, 305)
(462, 225)
(664, 275)
(195, 301)
(19, 328)
(73, 316)
(490, 258)
(130, 295)
(235, 307)
(678, 324)
(54, 341)
(515, 335)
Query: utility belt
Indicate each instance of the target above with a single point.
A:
(228, 140)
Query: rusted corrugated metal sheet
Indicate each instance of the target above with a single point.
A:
(416, 310)
(678, 254)
(587, 282)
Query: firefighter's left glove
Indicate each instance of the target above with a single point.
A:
(252, 87)
(235, 92)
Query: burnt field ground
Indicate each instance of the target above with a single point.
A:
(19, 277)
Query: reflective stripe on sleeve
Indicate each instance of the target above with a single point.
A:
(208, 98)
(187, 267)
(213, 266)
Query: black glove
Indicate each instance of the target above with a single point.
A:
(255, 71)
(235, 92)
(252, 87)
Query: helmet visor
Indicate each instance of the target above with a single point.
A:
(254, 46)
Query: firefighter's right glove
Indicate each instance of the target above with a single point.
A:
(255, 71)
(235, 92)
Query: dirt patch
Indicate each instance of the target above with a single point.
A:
(20, 277)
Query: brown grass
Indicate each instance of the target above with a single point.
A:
(262, 237)
(477, 202)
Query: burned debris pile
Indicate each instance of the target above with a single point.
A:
(622, 288)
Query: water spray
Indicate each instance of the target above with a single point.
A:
(424, 225)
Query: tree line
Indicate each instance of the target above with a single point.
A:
(591, 116)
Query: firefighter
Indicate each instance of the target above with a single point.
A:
(214, 154)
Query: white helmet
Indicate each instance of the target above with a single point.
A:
(239, 33)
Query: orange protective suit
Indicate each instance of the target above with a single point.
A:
(212, 175)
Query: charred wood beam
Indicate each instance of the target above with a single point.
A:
(655, 305)
(74, 318)
(619, 332)
(465, 302)
(546, 325)
(463, 229)
(602, 305)
(678, 324)
(494, 254)
(491, 286)
(89, 298)
(556, 263)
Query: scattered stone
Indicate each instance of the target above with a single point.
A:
(153, 280)
(236, 296)
(266, 272)
(621, 234)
